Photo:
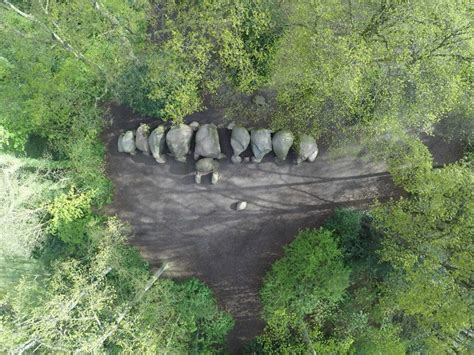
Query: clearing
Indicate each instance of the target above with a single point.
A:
(196, 229)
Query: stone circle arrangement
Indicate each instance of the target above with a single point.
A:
(207, 149)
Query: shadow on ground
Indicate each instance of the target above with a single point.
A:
(196, 229)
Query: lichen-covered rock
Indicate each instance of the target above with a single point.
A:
(282, 142)
(141, 138)
(178, 140)
(261, 141)
(207, 166)
(239, 140)
(157, 142)
(207, 142)
(307, 150)
(119, 143)
(126, 143)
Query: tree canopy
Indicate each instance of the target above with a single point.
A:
(396, 278)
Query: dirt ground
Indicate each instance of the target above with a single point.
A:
(198, 232)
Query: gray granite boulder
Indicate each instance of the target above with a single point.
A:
(307, 150)
(239, 140)
(141, 138)
(261, 142)
(126, 143)
(207, 142)
(282, 142)
(157, 143)
(178, 140)
(207, 166)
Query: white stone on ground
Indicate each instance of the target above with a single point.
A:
(242, 205)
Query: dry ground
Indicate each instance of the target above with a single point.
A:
(196, 229)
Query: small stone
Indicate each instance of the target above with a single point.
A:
(236, 159)
(197, 178)
(246, 159)
(242, 205)
(231, 125)
(214, 178)
(259, 100)
(194, 125)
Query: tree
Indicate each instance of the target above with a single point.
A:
(110, 302)
(369, 67)
(199, 46)
(59, 62)
(427, 238)
(301, 290)
(24, 186)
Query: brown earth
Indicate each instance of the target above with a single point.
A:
(198, 232)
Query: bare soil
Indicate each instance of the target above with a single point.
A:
(198, 232)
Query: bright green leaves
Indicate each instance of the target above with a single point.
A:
(427, 238)
(69, 215)
(350, 67)
(312, 270)
(201, 46)
(100, 304)
(301, 289)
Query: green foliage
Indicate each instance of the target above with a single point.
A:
(302, 286)
(22, 193)
(351, 322)
(368, 67)
(104, 303)
(380, 341)
(198, 46)
(346, 226)
(428, 240)
(311, 270)
(283, 334)
(58, 72)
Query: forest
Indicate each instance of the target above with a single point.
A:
(394, 276)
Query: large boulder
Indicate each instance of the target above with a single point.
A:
(178, 140)
(126, 143)
(307, 150)
(207, 142)
(157, 142)
(141, 138)
(261, 141)
(239, 140)
(282, 142)
(207, 166)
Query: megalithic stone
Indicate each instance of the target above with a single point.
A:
(207, 142)
(157, 143)
(126, 143)
(282, 142)
(141, 138)
(261, 142)
(307, 149)
(239, 140)
(178, 140)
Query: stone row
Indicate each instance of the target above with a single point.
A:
(178, 140)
